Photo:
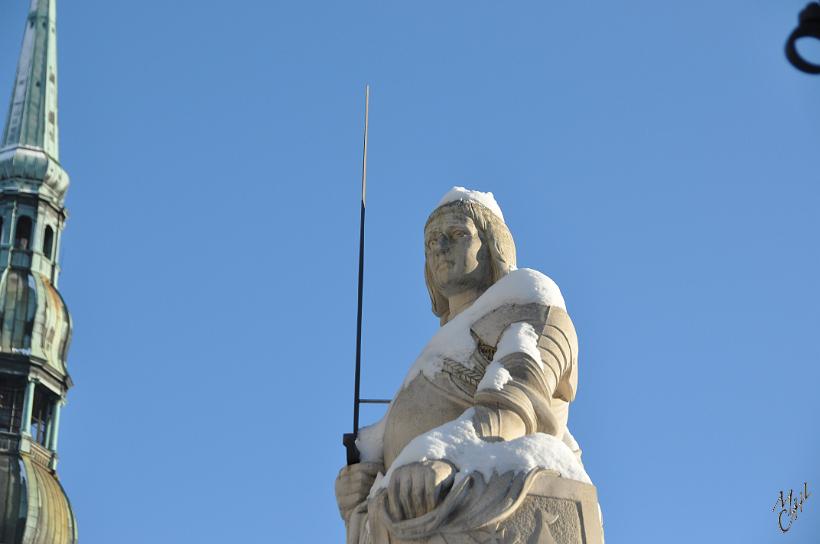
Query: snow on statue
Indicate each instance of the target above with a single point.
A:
(475, 445)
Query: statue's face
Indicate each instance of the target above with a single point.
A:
(457, 258)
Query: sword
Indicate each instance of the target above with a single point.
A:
(349, 439)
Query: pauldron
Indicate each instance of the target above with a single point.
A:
(534, 384)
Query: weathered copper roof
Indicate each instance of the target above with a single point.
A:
(35, 509)
(34, 320)
(49, 518)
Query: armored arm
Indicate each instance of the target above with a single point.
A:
(533, 375)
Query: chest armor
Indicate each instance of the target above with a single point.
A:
(427, 403)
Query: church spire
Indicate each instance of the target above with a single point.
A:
(32, 118)
(30, 148)
(35, 326)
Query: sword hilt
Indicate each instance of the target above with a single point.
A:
(349, 441)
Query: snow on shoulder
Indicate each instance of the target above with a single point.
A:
(453, 341)
(485, 199)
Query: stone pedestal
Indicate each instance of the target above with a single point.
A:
(553, 511)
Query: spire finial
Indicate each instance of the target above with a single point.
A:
(32, 119)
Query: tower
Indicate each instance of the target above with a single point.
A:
(35, 327)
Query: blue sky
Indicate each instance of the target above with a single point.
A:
(659, 160)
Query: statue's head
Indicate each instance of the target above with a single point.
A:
(467, 246)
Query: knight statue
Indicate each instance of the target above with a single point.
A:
(474, 447)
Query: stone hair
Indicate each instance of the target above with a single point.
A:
(492, 232)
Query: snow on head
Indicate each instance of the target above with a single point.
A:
(458, 442)
(485, 199)
(453, 340)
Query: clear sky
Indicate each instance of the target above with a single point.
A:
(659, 160)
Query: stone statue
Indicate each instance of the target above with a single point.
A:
(474, 447)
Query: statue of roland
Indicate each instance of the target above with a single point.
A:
(474, 447)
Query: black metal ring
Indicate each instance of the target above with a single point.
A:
(803, 31)
(808, 27)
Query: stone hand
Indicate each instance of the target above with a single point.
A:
(353, 485)
(418, 488)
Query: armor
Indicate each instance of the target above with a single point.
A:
(539, 391)
(534, 399)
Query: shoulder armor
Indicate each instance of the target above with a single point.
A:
(490, 327)
(559, 345)
(558, 342)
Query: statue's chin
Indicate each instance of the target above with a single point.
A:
(457, 285)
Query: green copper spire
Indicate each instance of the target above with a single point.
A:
(32, 119)
(33, 316)
(30, 148)
(35, 326)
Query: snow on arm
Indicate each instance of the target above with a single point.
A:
(370, 442)
(458, 443)
(518, 338)
(495, 377)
